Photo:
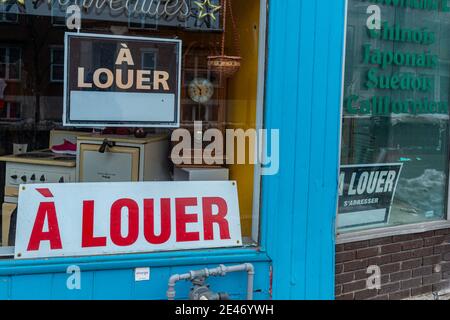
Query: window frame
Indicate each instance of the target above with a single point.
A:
(141, 25)
(8, 106)
(252, 243)
(54, 18)
(8, 63)
(375, 233)
(52, 64)
(155, 56)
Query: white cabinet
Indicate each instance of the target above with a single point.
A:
(111, 158)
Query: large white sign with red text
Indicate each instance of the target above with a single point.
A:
(80, 219)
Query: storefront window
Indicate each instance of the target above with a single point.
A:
(35, 145)
(395, 126)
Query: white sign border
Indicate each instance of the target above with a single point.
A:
(68, 123)
(19, 251)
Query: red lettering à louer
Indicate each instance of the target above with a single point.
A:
(125, 232)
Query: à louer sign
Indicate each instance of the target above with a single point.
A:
(114, 81)
(69, 220)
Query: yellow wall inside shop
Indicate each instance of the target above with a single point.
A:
(242, 90)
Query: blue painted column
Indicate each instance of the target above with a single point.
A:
(305, 54)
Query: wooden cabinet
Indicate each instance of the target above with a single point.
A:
(7, 211)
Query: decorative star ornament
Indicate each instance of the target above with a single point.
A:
(207, 9)
(20, 2)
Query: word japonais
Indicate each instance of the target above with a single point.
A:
(104, 78)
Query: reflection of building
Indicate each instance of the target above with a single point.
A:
(32, 70)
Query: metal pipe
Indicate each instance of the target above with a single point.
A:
(220, 271)
(250, 277)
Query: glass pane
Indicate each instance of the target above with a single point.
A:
(148, 60)
(58, 56)
(2, 70)
(32, 55)
(395, 113)
(2, 55)
(14, 55)
(14, 71)
(57, 73)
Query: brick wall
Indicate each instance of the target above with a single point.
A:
(411, 265)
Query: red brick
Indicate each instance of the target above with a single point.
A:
(390, 268)
(391, 248)
(345, 256)
(355, 265)
(344, 278)
(339, 247)
(446, 275)
(411, 283)
(402, 275)
(404, 237)
(380, 241)
(402, 256)
(446, 256)
(354, 286)
(383, 297)
(443, 248)
(367, 253)
(365, 294)
(356, 245)
(443, 285)
(445, 266)
(421, 290)
(414, 244)
(337, 290)
(361, 274)
(432, 260)
(433, 241)
(426, 234)
(349, 296)
(400, 295)
(446, 239)
(380, 260)
(428, 251)
(431, 279)
(411, 264)
(389, 288)
(422, 271)
(339, 268)
(442, 232)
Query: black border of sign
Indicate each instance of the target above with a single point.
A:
(93, 124)
(388, 211)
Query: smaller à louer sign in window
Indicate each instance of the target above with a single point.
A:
(108, 84)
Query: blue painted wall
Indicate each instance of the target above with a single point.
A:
(112, 277)
(298, 204)
(303, 101)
